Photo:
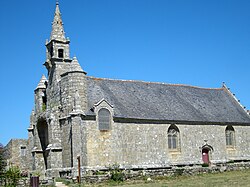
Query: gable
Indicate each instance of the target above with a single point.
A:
(158, 101)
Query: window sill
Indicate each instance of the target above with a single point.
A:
(174, 151)
(104, 130)
(231, 148)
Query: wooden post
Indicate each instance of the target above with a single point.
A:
(79, 169)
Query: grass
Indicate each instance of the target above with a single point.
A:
(226, 179)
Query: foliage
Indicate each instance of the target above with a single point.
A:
(116, 173)
(36, 174)
(66, 182)
(13, 174)
(205, 165)
(44, 107)
(179, 172)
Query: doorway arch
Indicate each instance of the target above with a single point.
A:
(42, 129)
(206, 153)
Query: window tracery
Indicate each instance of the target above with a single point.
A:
(173, 137)
(230, 136)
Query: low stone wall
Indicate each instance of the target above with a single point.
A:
(133, 174)
(24, 182)
(94, 176)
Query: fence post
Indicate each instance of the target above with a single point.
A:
(34, 181)
(79, 170)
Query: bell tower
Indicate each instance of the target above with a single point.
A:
(57, 48)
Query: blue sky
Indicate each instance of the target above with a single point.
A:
(194, 42)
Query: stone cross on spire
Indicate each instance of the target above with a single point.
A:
(57, 32)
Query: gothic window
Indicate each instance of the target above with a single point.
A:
(60, 53)
(173, 137)
(23, 150)
(230, 136)
(104, 119)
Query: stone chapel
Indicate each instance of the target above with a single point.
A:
(135, 124)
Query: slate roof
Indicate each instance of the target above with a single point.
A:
(159, 101)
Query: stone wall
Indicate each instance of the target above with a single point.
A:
(94, 177)
(133, 145)
(16, 154)
(66, 144)
(71, 82)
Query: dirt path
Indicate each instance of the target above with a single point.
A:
(60, 184)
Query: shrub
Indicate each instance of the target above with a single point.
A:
(13, 174)
(179, 172)
(205, 165)
(116, 173)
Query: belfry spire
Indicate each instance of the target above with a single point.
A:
(58, 46)
(57, 32)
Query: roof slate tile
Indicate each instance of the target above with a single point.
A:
(159, 101)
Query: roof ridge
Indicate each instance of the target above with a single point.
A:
(160, 83)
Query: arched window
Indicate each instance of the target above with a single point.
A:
(104, 119)
(173, 137)
(60, 53)
(230, 136)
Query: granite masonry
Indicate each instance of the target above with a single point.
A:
(94, 122)
(16, 152)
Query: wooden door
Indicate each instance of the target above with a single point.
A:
(205, 156)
